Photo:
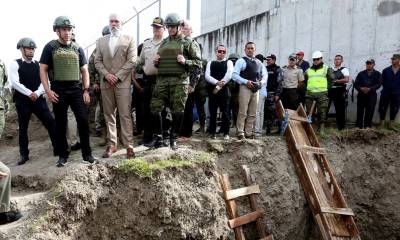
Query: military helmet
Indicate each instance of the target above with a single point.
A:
(173, 19)
(106, 30)
(26, 42)
(62, 21)
(233, 56)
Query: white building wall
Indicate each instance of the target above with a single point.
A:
(357, 29)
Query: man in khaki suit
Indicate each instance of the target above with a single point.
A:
(114, 60)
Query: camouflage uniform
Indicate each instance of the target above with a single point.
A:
(171, 91)
(95, 103)
(3, 80)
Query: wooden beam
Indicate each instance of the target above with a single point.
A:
(245, 219)
(340, 211)
(311, 149)
(270, 237)
(244, 191)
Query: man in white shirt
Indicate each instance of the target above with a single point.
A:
(28, 96)
(337, 93)
(218, 74)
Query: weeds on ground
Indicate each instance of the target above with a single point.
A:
(145, 168)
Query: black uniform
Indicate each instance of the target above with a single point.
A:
(274, 88)
(337, 94)
(366, 102)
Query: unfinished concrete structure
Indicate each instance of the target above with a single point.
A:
(356, 29)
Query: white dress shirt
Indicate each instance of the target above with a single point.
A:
(226, 78)
(15, 84)
(113, 41)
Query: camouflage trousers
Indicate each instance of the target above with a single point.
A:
(173, 96)
(321, 106)
(2, 121)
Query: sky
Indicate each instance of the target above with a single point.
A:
(35, 19)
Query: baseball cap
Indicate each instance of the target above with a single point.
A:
(158, 21)
(260, 57)
(293, 56)
(396, 56)
(272, 56)
(370, 60)
(300, 53)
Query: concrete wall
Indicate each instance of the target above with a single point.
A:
(357, 29)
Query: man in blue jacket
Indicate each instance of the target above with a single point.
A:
(391, 92)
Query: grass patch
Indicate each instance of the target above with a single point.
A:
(146, 169)
(37, 225)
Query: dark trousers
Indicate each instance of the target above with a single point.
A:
(25, 107)
(221, 101)
(270, 110)
(138, 104)
(148, 87)
(392, 99)
(200, 100)
(338, 97)
(187, 125)
(365, 109)
(290, 98)
(71, 96)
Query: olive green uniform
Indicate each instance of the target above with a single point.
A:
(171, 91)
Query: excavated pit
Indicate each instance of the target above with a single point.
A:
(183, 200)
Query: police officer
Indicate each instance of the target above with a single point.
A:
(145, 64)
(96, 100)
(177, 57)
(337, 93)
(28, 96)
(3, 80)
(319, 80)
(65, 61)
(274, 90)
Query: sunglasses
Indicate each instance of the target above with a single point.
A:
(221, 51)
(316, 59)
(292, 59)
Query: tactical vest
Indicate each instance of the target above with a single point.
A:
(317, 80)
(218, 69)
(169, 50)
(65, 62)
(252, 70)
(339, 75)
(28, 76)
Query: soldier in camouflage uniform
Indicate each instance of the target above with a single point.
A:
(3, 80)
(177, 57)
(96, 100)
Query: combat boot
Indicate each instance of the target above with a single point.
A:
(156, 142)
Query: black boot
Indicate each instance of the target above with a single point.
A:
(156, 142)
(8, 217)
(22, 160)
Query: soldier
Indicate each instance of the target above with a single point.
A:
(96, 100)
(28, 97)
(319, 80)
(177, 57)
(3, 80)
(66, 61)
(6, 215)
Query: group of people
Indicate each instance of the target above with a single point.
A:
(169, 77)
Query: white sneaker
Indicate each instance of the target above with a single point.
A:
(226, 137)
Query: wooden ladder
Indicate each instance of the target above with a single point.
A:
(334, 218)
(236, 222)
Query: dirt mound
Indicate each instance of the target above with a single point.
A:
(176, 195)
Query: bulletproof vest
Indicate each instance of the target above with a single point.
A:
(169, 50)
(29, 75)
(218, 69)
(339, 75)
(252, 70)
(273, 73)
(65, 62)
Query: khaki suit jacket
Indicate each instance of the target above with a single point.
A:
(121, 63)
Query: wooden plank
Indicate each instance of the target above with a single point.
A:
(311, 149)
(248, 181)
(297, 118)
(244, 191)
(245, 219)
(340, 211)
(231, 206)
